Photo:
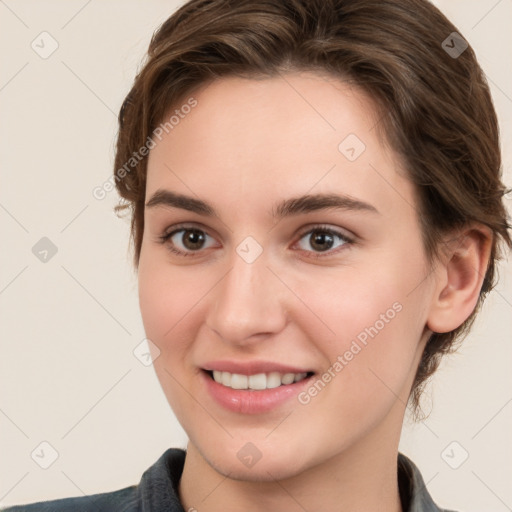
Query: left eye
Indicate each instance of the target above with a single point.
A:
(323, 239)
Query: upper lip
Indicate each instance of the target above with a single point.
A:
(252, 367)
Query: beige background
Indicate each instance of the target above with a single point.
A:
(68, 374)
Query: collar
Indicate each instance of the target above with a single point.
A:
(413, 491)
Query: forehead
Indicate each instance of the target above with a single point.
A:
(306, 104)
(280, 136)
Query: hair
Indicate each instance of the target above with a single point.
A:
(435, 106)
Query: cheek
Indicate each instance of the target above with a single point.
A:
(166, 293)
(370, 365)
(163, 302)
(353, 304)
(156, 301)
(166, 305)
(377, 318)
(172, 303)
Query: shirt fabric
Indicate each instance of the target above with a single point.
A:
(157, 491)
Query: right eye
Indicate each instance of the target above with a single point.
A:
(186, 240)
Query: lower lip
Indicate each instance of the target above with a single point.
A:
(252, 401)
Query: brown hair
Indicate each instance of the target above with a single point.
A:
(435, 103)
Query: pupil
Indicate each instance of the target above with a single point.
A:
(194, 239)
(321, 239)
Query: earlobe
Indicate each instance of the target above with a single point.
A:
(459, 278)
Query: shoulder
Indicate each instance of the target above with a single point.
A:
(157, 490)
(124, 500)
(413, 490)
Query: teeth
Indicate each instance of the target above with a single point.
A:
(273, 380)
(258, 381)
(226, 379)
(238, 381)
(288, 378)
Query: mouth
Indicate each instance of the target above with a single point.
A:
(256, 386)
(257, 381)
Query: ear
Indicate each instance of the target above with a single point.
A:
(460, 273)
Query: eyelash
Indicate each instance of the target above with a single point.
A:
(321, 228)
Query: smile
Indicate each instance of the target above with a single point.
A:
(254, 393)
(258, 381)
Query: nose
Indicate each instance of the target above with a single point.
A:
(248, 304)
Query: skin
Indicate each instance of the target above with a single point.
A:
(247, 145)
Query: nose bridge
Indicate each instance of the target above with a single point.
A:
(247, 301)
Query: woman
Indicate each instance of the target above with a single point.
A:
(316, 215)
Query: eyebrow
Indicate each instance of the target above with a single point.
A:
(286, 208)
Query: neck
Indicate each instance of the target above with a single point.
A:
(361, 478)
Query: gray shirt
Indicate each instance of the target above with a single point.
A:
(158, 491)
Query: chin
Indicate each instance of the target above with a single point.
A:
(273, 463)
(268, 471)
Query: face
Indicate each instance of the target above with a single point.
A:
(295, 263)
